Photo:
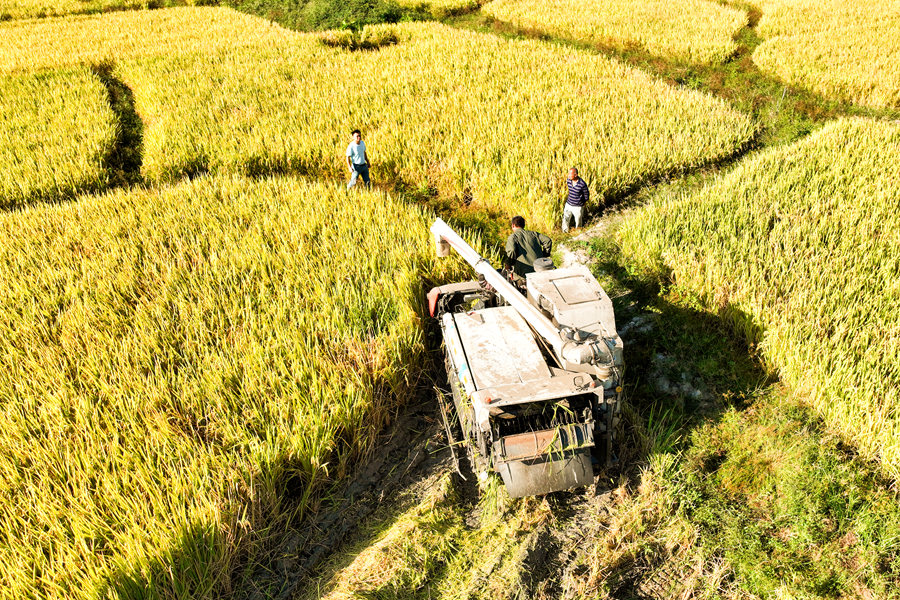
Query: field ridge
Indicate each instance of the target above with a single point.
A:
(126, 156)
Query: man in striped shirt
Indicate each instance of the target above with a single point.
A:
(578, 197)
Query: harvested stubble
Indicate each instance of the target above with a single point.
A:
(175, 363)
(844, 50)
(699, 31)
(801, 246)
(49, 43)
(56, 129)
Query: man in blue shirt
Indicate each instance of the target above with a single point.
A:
(357, 161)
(577, 198)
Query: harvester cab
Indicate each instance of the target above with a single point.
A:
(536, 378)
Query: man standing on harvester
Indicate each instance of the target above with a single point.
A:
(524, 247)
(575, 201)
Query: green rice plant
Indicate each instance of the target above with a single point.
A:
(802, 243)
(844, 50)
(183, 368)
(94, 39)
(460, 113)
(698, 31)
(56, 129)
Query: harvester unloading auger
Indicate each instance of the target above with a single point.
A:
(536, 378)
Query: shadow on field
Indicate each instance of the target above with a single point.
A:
(682, 361)
(124, 160)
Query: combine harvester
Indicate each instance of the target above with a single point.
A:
(536, 377)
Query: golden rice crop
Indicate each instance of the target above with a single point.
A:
(49, 43)
(56, 128)
(845, 50)
(803, 242)
(22, 9)
(464, 113)
(698, 31)
(176, 364)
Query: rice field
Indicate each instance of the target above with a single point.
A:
(459, 113)
(56, 129)
(844, 50)
(177, 364)
(29, 9)
(799, 246)
(697, 31)
(93, 39)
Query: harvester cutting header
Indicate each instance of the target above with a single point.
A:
(536, 377)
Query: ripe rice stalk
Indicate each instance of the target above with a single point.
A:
(800, 248)
(32, 9)
(460, 113)
(697, 31)
(182, 368)
(56, 129)
(844, 50)
(95, 39)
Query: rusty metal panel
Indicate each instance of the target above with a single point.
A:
(548, 441)
(500, 347)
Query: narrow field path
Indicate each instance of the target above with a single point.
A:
(126, 157)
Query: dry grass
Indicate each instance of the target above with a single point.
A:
(802, 243)
(698, 31)
(844, 50)
(56, 128)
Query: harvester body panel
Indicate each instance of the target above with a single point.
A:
(536, 377)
